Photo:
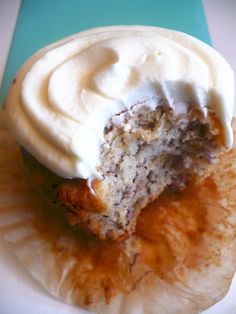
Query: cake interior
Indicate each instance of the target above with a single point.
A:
(149, 149)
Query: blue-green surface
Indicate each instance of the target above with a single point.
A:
(41, 22)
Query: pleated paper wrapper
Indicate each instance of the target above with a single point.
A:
(180, 260)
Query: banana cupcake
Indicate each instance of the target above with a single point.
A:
(113, 116)
(126, 132)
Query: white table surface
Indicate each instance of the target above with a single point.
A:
(19, 292)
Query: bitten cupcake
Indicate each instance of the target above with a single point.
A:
(117, 115)
(119, 195)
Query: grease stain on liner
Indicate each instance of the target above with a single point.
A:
(181, 259)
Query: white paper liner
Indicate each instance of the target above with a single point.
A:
(189, 275)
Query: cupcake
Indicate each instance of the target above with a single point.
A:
(117, 115)
(126, 131)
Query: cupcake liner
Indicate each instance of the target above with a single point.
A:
(180, 260)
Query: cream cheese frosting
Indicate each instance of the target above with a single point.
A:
(66, 93)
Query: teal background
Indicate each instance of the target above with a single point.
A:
(41, 22)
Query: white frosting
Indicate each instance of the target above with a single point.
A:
(65, 94)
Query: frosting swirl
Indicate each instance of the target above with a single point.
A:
(66, 93)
